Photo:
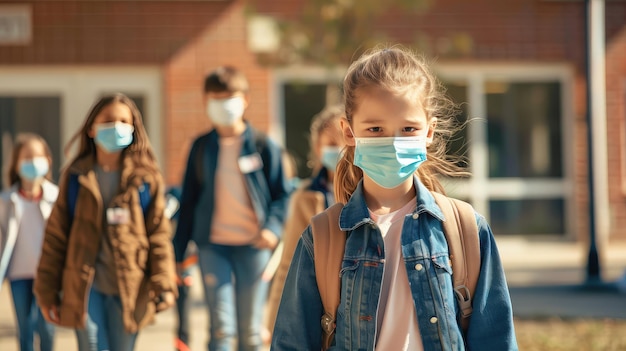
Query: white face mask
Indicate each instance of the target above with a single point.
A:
(226, 112)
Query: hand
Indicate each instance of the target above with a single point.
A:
(50, 314)
(266, 240)
(166, 300)
(179, 273)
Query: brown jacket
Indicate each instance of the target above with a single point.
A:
(142, 248)
(303, 205)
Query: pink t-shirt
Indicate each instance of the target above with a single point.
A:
(396, 322)
(234, 220)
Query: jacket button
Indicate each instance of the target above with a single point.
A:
(419, 267)
(415, 215)
(433, 320)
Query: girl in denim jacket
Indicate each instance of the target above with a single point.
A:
(396, 279)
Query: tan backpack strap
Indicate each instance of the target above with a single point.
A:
(461, 232)
(329, 244)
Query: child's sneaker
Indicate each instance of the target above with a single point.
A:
(180, 345)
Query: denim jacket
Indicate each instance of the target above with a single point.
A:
(426, 257)
(267, 186)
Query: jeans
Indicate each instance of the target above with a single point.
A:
(182, 310)
(29, 317)
(235, 295)
(105, 326)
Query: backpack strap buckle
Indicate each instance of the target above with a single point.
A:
(464, 298)
(328, 323)
(328, 330)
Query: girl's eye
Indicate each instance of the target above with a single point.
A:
(409, 129)
(375, 129)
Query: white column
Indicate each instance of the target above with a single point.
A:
(598, 118)
(478, 145)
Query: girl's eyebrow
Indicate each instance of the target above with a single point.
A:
(373, 120)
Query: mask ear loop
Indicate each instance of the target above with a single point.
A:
(352, 132)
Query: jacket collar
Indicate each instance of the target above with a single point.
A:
(130, 173)
(247, 137)
(320, 181)
(355, 212)
(49, 192)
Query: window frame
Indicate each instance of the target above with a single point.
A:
(479, 189)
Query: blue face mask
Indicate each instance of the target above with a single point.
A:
(113, 137)
(389, 161)
(35, 168)
(330, 156)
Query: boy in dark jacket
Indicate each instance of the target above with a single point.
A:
(233, 202)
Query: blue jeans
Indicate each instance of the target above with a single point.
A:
(235, 295)
(105, 326)
(29, 317)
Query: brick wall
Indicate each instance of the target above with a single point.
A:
(222, 42)
(189, 38)
(524, 31)
(110, 32)
(616, 126)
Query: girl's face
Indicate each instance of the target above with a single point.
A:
(331, 136)
(380, 113)
(114, 112)
(33, 161)
(112, 129)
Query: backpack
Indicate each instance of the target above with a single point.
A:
(463, 243)
(72, 195)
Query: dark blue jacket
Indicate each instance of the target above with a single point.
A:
(267, 186)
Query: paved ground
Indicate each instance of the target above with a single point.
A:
(546, 279)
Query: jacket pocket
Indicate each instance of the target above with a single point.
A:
(75, 295)
(442, 263)
(443, 269)
(348, 266)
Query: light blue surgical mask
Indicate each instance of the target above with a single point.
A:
(330, 157)
(389, 161)
(114, 136)
(35, 168)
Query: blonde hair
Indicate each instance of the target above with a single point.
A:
(22, 140)
(400, 71)
(139, 149)
(326, 119)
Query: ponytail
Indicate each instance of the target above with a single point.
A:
(347, 175)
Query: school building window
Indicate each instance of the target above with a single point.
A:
(516, 144)
(32, 114)
(515, 141)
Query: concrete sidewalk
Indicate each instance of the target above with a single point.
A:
(545, 279)
(548, 279)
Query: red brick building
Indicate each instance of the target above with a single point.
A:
(519, 65)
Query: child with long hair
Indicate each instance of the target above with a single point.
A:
(396, 287)
(107, 262)
(24, 209)
(311, 198)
